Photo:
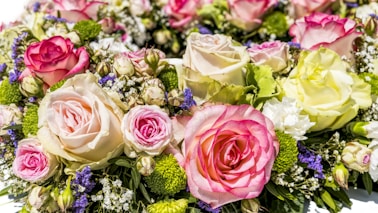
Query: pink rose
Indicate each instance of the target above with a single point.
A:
(229, 153)
(54, 59)
(272, 53)
(306, 7)
(78, 10)
(32, 163)
(247, 14)
(181, 12)
(325, 30)
(146, 128)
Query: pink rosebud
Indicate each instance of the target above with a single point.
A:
(78, 10)
(146, 128)
(330, 31)
(272, 53)
(181, 12)
(229, 153)
(54, 59)
(32, 163)
(247, 14)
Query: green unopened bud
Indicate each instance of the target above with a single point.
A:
(148, 23)
(152, 58)
(65, 199)
(175, 46)
(371, 26)
(103, 68)
(162, 36)
(31, 86)
(123, 65)
(356, 156)
(145, 165)
(250, 206)
(153, 92)
(357, 128)
(341, 175)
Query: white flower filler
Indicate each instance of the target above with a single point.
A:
(287, 117)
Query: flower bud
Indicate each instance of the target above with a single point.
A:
(107, 25)
(37, 196)
(162, 36)
(148, 23)
(65, 199)
(341, 175)
(152, 58)
(357, 128)
(74, 37)
(356, 156)
(103, 68)
(250, 206)
(145, 165)
(175, 46)
(31, 86)
(153, 92)
(123, 65)
(371, 26)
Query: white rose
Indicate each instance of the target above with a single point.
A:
(212, 57)
(80, 123)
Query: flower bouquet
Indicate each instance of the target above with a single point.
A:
(188, 106)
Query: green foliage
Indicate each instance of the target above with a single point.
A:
(169, 78)
(288, 152)
(168, 206)
(30, 122)
(57, 85)
(168, 177)
(371, 79)
(276, 24)
(9, 92)
(87, 29)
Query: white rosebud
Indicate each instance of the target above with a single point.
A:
(153, 92)
(123, 65)
(145, 165)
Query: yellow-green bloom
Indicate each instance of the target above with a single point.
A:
(168, 206)
(326, 91)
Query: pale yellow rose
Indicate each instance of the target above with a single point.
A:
(329, 94)
(80, 123)
(212, 57)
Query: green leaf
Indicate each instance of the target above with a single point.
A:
(228, 94)
(144, 192)
(341, 195)
(121, 162)
(135, 176)
(4, 191)
(327, 198)
(368, 183)
(272, 189)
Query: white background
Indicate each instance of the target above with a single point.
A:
(362, 202)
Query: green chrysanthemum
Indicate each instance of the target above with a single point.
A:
(169, 78)
(57, 85)
(288, 152)
(87, 29)
(168, 206)
(30, 122)
(9, 93)
(371, 79)
(276, 24)
(168, 178)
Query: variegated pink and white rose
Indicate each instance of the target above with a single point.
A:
(78, 10)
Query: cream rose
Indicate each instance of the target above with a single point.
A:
(212, 57)
(325, 90)
(79, 122)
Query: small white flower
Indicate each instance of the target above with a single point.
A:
(286, 117)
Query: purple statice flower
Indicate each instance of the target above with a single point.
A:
(83, 179)
(313, 161)
(207, 207)
(32, 99)
(3, 67)
(351, 5)
(80, 203)
(104, 80)
(36, 6)
(188, 100)
(13, 76)
(294, 44)
(247, 44)
(82, 185)
(204, 30)
(54, 18)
